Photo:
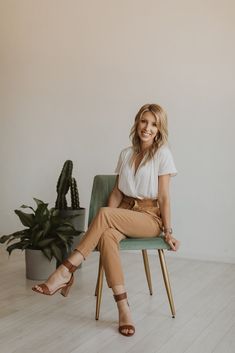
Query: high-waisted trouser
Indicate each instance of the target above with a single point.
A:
(111, 225)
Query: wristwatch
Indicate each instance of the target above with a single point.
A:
(168, 230)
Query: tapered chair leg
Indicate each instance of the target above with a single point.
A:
(99, 288)
(147, 270)
(97, 282)
(166, 280)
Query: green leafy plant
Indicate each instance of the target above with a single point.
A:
(44, 231)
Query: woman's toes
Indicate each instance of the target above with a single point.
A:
(127, 331)
(38, 288)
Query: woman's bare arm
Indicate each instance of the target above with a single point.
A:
(115, 196)
(164, 203)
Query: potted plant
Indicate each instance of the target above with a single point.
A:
(45, 239)
(65, 183)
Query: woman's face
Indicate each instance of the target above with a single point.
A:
(147, 129)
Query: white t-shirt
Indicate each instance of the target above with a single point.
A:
(144, 184)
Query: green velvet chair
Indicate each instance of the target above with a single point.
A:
(102, 186)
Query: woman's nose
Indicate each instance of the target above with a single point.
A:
(147, 126)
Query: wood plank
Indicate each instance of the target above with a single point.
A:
(203, 294)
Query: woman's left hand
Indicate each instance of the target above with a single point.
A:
(174, 243)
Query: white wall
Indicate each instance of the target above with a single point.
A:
(73, 75)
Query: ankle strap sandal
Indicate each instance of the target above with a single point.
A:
(64, 288)
(117, 298)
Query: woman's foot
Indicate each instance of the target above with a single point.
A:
(125, 318)
(126, 327)
(62, 277)
(57, 280)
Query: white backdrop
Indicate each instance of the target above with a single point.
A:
(73, 75)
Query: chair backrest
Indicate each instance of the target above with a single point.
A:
(102, 186)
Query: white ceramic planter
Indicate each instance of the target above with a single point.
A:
(38, 267)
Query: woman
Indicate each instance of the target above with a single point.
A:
(138, 206)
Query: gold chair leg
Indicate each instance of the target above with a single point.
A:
(97, 282)
(166, 280)
(147, 270)
(99, 288)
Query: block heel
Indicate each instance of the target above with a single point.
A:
(65, 290)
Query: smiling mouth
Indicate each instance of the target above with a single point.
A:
(146, 133)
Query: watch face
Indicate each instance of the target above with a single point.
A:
(169, 231)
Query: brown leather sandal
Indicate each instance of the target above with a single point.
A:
(64, 287)
(117, 298)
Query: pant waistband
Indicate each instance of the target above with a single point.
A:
(140, 202)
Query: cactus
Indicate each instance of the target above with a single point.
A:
(75, 203)
(63, 185)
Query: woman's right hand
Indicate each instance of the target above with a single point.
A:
(174, 243)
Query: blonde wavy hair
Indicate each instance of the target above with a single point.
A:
(162, 134)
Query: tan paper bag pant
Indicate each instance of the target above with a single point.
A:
(108, 228)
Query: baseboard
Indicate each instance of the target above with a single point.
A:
(194, 256)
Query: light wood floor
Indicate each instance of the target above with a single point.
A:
(204, 294)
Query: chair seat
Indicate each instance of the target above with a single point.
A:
(143, 243)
